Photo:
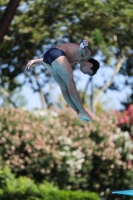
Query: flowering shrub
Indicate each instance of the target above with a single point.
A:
(61, 149)
(125, 119)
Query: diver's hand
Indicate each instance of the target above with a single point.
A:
(31, 62)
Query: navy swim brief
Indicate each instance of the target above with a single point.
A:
(52, 54)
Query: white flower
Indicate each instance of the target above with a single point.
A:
(40, 113)
(130, 156)
(65, 139)
(70, 162)
(54, 114)
(62, 153)
(66, 148)
(78, 154)
(60, 137)
(126, 134)
(45, 113)
(120, 149)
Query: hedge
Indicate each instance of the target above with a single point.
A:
(22, 188)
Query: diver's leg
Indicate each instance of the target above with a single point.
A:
(63, 87)
(63, 68)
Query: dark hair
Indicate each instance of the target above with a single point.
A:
(95, 67)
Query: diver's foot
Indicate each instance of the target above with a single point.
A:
(85, 117)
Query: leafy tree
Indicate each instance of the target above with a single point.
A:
(39, 24)
(7, 17)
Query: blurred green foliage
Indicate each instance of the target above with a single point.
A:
(24, 188)
(38, 25)
(59, 148)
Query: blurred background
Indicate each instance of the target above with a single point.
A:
(44, 148)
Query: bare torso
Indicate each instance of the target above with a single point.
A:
(73, 52)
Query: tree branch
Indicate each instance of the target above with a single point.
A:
(85, 89)
(7, 17)
(108, 84)
(43, 100)
(6, 94)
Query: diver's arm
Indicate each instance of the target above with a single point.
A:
(31, 62)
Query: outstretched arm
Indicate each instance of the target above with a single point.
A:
(31, 62)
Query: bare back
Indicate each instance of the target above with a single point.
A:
(73, 52)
